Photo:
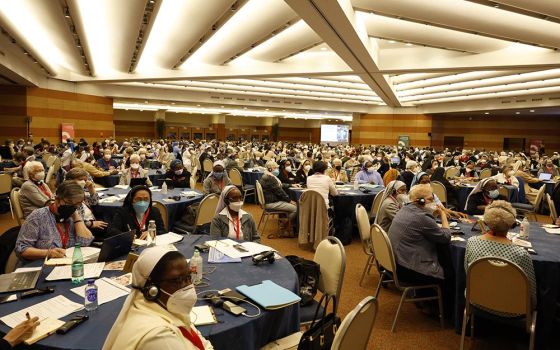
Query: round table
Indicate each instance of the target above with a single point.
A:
(463, 191)
(175, 209)
(230, 333)
(344, 208)
(113, 180)
(251, 177)
(547, 272)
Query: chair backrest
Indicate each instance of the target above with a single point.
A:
(207, 209)
(355, 330)
(5, 183)
(539, 198)
(192, 182)
(49, 159)
(451, 172)
(484, 173)
(196, 161)
(498, 284)
(376, 203)
(49, 176)
(56, 164)
(363, 227)
(552, 208)
(331, 257)
(503, 192)
(260, 194)
(194, 170)
(207, 165)
(11, 263)
(16, 205)
(235, 177)
(383, 250)
(439, 190)
(163, 211)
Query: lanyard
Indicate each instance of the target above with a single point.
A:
(236, 228)
(192, 337)
(63, 237)
(142, 225)
(44, 190)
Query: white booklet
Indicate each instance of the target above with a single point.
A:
(65, 272)
(53, 308)
(165, 239)
(235, 249)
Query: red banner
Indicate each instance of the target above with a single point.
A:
(67, 131)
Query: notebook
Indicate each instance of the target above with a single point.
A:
(545, 176)
(203, 315)
(269, 295)
(47, 327)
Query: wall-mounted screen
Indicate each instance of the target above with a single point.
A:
(334, 133)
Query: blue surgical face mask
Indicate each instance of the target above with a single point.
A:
(276, 172)
(140, 207)
(494, 194)
(218, 175)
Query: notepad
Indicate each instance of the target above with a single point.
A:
(45, 328)
(55, 308)
(269, 295)
(58, 261)
(107, 290)
(88, 253)
(555, 231)
(65, 272)
(203, 315)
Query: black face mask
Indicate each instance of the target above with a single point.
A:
(338, 167)
(64, 212)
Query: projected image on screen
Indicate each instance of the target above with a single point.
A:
(334, 133)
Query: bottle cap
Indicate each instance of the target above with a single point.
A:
(91, 281)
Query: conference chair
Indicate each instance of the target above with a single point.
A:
(484, 173)
(192, 182)
(500, 285)
(11, 263)
(355, 330)
(503, 192)
(552, 208)
(49, 160)
(237, 180)
(163, 211)
(373, 213)
(207, 167)
(530, 209)
(440, 191)
(331, 257)
(363, 227)
(266, 213)
(8, 258)
(451, 173)
(206, 210)
(385, 260)
(5, 189)
(14, 198)
(314, 221)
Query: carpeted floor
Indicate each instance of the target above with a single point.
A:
(414, 329)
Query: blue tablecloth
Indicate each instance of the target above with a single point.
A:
(344, 209)
(175, 209)
(547, 273)
(251, 177)
(7, 164)
(549, 187)
(230, 333)
(113, 180)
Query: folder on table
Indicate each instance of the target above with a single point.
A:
(269, 295)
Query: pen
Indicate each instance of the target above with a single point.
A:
(27, 315)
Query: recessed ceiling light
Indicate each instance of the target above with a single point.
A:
(392, 41)
(532, 111)
(486, 112)
(198, 105)
(222, 106)
(145, 101)
(244, 107)
(408, 44)
(172, 103)
(517, 112)
(324, 49)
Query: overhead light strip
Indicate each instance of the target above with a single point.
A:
(27, 51)
(78, 43)
(417, 43)
(500, 5)
(148, 19)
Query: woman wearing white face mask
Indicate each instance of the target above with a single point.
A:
(368, 175)
(34, 192)
(507, 176)
(230, 220)
(135, 171)
(485, 192)
(155, 314)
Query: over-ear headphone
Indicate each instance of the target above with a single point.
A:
(421, 201)
(150, 291)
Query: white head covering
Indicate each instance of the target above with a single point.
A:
(222, 201)
(478, 188)
(140, 273)
(393, 185)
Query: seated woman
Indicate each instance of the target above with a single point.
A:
(135, 171)
(97, 227)
(34, 192)
(216, 180)
(155, 315)
(285, 173)
(393, 200)
(303, 172)
(274, 196)
(230, 220)
(178, 175)
(468, 171)
(107, 163)
(548, 167)
(48, 231)
(485, 192)
(368, 175)
(391, 175)
(336, 173)
(499, 216)
(423, 178)
(507, 176)
(439, 175)
(136, 213)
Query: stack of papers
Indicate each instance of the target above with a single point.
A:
(165, 239)
(203, 315)
(522, 243)
(189, 193)
(88, 253)
(65, 272)
(217, 257)
(228, 247)
(107, 290)
(53, 308)
(123, 187)
(552, 229)
(269, 295)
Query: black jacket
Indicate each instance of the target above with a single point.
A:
(181, 181)
(125, 220)
(272, 190)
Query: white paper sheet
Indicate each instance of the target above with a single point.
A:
(555, 231)
(226, 246)
(87, 252)
(123, 187)
(65, 272)
(107, 290)
(217, 257)
(28, 269)
(203, 315)
(54, 308)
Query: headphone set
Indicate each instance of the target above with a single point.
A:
(262, 257)
(150, 291)
(421, 201)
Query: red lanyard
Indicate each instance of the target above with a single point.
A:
(63, 237)
(236, 228)
(141, 226)
(192, 336)
(42, 188)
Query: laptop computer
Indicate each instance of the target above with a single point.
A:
(19, 281)
(545, 176)
(138, 181)
(116, 246)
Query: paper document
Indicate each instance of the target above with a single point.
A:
(217, 257)
(107, 290)
(47, 327)
(87, 252)
(58, 261)
(203, 315)
(123, 187)
(54, 308)
(27, 269)
(457, 239)
(522, 243)
(555, 231)
(165, 239)
(227, 247)
(65, 272)
(190, 193)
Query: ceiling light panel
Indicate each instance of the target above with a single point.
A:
(412, 77)
(41, 26)
(325, 82)
(546, 7)
(254, 21)
(178, 26)
(111, 29)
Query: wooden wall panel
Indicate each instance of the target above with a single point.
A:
(384, 129)
(92, 116)
(128, 129)
(13, 110)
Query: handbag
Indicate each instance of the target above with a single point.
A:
(308, 272)
(321, 333)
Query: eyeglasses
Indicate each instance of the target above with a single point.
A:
(180, 281)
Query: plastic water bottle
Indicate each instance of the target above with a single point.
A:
(164, 188)
(524, 229)
(196, 268)
(151, 233)
(356, 184)
(90, 296)
(77, 265)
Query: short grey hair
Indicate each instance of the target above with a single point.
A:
(499, 216)
(420, 191)
(70, 191)
(271, 164)
(29, 166)
(134, 157)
